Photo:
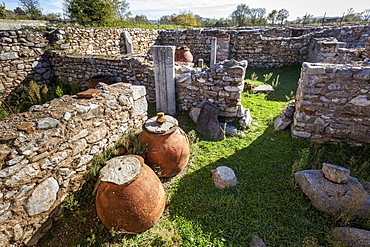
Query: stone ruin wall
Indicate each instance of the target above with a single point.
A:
(199, 41)
(333, 103)
(135, 70)
(22, 58)
(23, 53)
(46, 153)
(105, 41)
(222, 84)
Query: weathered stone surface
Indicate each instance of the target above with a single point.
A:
(282, 122)
(229, 129)
(257, 241)
(141, 106)
(138, 92)
(333, 198)
(352, 236)
(43, 197)
(23, 176)
(207, 123)
(246, 121)
(26, 126)
(4, 151)
(223, 177)
(263, 89)
(120, 170)
(8, 56)
(47, 123)
(335, 173)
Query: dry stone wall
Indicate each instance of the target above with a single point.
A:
(333, 103)
(22, 58)
(103, 41)
(199, 41)
(136, 70)
(45, 154)
(262, 51)
(221, 84)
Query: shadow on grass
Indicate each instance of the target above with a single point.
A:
(266, 200)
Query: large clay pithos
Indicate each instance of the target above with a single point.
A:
(183, 54)
(167, 143)
(130, 197)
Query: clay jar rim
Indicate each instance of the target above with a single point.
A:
(168, 132)
(141, 161)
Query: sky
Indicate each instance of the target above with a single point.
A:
(217, 9)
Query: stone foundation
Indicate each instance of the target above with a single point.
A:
(46, 153)
(333, 103)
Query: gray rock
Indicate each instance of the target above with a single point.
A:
(207, 122)
(335, 173)
(282, 122)
(333, 198)
(257, 241)
(366, 185)
(352, 236)
(194, 113)
(229, 130)
(47, 123)
(5, 216)
(8, 56)
(246, 121)
(141, 106)
(223, 177)
(263, 89)
(138, 91)
(96, 136)
(23, 176)
(43, 197)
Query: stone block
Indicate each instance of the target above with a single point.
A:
(335, 173)
(223, 177)
(315, 70)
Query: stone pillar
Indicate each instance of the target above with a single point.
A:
(200, 63)
(128, 43)
(164, 77)
(213, 51)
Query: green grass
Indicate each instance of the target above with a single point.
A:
(266, 201)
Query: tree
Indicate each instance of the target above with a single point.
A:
(272, 16)
(257, 15)
(365, 15)
(241, 14)
(3, 12)
(31, 8)
(93, 12)
(307, 18)
(123, 10)
(19, 11)
(187, 18)
(282, 15)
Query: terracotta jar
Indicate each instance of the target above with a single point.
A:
(130, 197)
(168, 145)
(98, 78)
(183, 54)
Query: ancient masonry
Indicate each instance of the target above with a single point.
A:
(46, 153)
(333, 104)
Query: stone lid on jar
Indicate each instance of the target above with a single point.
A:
(160, 124)
(120, 170)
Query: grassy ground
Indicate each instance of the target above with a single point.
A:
(266, 201)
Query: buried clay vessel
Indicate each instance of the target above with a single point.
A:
(183, 54)
(130, 197)
(168, 145)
